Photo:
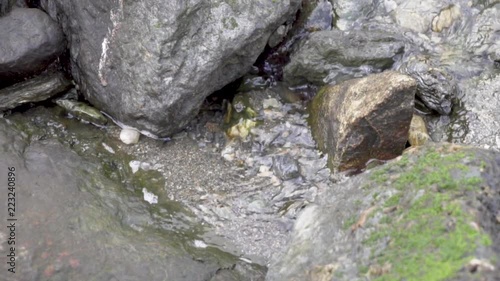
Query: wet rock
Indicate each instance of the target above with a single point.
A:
(239, 270)
(321, 18)
(418, 18)
(242, 129)
(481, 98)
(153, 62)
(349, 11)
(334, 56)
(418, 134)
(31, 40)
(270, 103)
(240, 116)
(285, 167)
(257, 206)
(34, 90)
(310, 167)
(277, 36)
(83, 111)
(99, 221)
(436, 87)
(483, 39)
(368, 226)
(6, 6)
(129, 136)
(445, 18)
(362, 119)
(252, 82)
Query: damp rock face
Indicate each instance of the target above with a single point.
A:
(362, 119)
(333, 56)
(151, 63)
(36, 89)
(442, 197)
(30, 41)
(6, 6)
(97, 226)
(436, 87)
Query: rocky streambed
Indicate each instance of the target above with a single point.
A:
(243, 191)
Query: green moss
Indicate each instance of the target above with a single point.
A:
(349, 222)
(424, 246)
(380, 176)
(392, 201)
(435, 169)
(230, 23)
(431, 237)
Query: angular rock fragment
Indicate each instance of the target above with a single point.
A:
(445, 18)
(83, 111)
(418, 134)
(33, 90)
(362, 119)
(285, 167)
(436, 87)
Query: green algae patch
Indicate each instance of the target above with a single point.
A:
(430, 236)
(317, 108)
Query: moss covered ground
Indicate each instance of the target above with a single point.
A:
(431, 235)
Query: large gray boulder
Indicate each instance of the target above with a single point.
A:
(363, 119)
(30, 41)
(430, 215)
(151, 63)
(334, 56)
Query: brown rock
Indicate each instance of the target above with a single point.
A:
(362, 119)
(418, 131)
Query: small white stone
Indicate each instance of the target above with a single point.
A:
(264, 168)
(200, 244)
(390, 5)
(228, 157)
(149, 197)
(129, 136)
(245, 260)
(134, 165)
(108, 148)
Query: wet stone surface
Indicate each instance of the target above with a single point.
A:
(247, 190)
(244, 193)
(86, 215)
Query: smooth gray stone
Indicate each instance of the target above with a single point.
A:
(29, 41)
(333, 56)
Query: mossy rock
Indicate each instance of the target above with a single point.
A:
(427, 215)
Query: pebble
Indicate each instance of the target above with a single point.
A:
(129, 136)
